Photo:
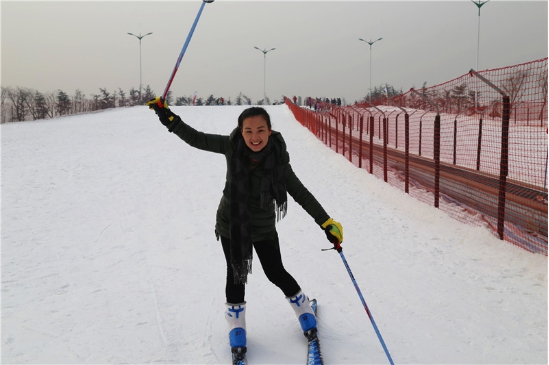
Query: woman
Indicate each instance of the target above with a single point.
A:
(258, 178)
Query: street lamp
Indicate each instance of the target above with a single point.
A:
(370, 43)
(479, 4)
(264, 62)
(140, 37)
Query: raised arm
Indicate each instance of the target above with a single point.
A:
(204, 141)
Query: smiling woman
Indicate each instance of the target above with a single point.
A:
(258, 179)
(256, 132)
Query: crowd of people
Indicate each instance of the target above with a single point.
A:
(314, 103)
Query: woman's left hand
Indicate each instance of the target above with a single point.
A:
(334, 231)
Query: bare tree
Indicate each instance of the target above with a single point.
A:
(78, 101)
(513, 85)
(461, 97)
(51, 103)
(3, 104)
(37, 105)
(18, 98)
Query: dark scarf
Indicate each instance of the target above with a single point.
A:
(273, 187)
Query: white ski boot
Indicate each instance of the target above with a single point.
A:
(236, 318)
(304, 312)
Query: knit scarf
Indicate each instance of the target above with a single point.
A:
(273, 187)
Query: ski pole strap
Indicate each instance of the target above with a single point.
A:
(337, 247)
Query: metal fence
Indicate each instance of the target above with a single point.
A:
(475, 147)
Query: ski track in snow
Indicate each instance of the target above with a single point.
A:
(109, 256)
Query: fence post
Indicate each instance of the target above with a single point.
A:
(330, 130)
(384, 141)
(344, 122)
(350, 137)
(396, 131)
(324, 138)
(360, 141)
(406, 149)
(337, 129)
(479, 143)
(361, 132)
(436, 155)
(385, 138)
(372, 122)
(436, 147)
(369, 129)
(455, 138)
(504, 161)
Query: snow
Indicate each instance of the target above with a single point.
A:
(109, 256)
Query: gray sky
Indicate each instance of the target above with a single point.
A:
(84, 45)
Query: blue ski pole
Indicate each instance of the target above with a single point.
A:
(338, 248)
(183, 50)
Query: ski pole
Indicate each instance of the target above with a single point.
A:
(183, 51)
(340, 250)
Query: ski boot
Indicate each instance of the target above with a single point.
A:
(236, 318)
(305, 314)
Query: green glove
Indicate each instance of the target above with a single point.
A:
(166, 116)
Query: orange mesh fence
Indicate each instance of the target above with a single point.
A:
(475, 147)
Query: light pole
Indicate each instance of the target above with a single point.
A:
(140, 37)
(370, 43)
(479, 4)
(264, 63)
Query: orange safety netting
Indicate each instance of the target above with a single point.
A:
(475, 147)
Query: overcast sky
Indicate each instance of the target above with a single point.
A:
(84, 45)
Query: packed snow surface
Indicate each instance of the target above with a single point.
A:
(109, 256)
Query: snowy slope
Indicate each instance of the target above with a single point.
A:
(109, 256)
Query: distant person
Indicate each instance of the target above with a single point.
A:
(295, 99)
(259, 177)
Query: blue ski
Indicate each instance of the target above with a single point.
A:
(314, 356)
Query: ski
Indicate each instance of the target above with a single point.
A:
(314, 356)
(239, 355)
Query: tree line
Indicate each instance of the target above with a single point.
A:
(20, 104)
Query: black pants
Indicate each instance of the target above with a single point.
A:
(268, 253)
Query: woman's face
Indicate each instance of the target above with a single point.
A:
(255, 132)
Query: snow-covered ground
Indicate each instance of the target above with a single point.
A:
(109, 256)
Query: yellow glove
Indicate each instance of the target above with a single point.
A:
(334, 232)
(161, 109)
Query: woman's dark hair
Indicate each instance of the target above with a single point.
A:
(254, 111)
